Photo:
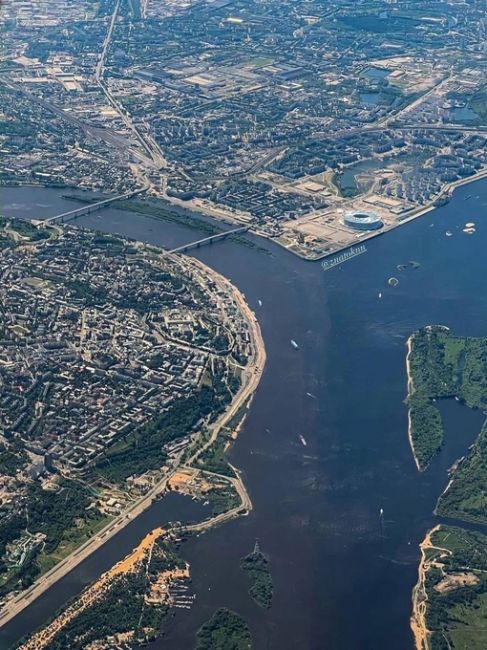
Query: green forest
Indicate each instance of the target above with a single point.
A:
(442, 366)
(466, 497)
(257, 567)
(225, 630)
(456, 588)
(60, 516)
(142, 450)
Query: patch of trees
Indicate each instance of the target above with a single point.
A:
(257, 567)
(143, 449)
(225, 630)
(53, 513)
(119, 611)
(214, 459)
(466, 498)
(12, 459)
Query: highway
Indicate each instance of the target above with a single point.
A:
(148, 144)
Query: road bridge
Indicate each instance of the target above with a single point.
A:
(209, 240)
(89, 207)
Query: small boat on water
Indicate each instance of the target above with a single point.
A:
(259, 303)
(380, 294)
(294, 344)
(311, 395)
(303, 441)
(449, 233)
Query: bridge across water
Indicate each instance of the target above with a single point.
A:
(209, 240)
(90, 207)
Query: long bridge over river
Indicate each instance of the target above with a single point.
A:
(89, 207)
(99, 205)
(209, 240)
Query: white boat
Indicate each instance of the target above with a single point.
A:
(260, 303)
(380, 294)
(294, 344)
(303, 441)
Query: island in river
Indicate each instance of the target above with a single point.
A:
(125, 371)
(450, 598)
(315, 508)
(257, 566)
(226, 630)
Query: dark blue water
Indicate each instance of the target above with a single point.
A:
(341, 581)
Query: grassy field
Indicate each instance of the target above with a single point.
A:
(470, 629)
(478, 103)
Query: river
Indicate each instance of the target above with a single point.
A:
(342, 581)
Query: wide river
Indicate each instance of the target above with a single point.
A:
(342, 580)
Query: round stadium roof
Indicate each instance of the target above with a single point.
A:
(362, 220)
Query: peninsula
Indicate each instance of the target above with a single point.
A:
(441, 366)
(125, 370)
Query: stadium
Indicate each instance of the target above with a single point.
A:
(362, 220)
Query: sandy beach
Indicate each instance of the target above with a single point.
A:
(410, 385)
(420, 598)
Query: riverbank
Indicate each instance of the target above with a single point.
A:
(154, 597)
(197, 206)
(315, 508)
(420, 598)
(251, 374)
(191, 214)
(410, 390)
(450, 595)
